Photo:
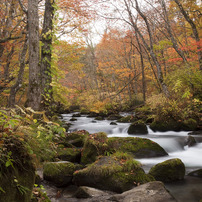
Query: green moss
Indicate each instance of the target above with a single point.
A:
(113, 173)
(58, 168)
(69, 154)
(189, 124)
(95, 145)
(138, 147)
(59, 173)
(138, 127)
(167, 171)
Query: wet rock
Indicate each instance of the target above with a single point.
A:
(196, 173)
(113, 123)
(138, 147)
(59, 173)
(138, 127)
(199, 132)
(73, 119)
(168, 171)
(149, 192)
(76, 115)
(89, 192)
(190, 141)
(116, 173)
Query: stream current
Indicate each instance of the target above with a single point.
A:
(188, 190)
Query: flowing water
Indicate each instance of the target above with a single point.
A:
(172, 142)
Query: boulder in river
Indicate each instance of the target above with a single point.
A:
(138, 147)
(114, 117)
(138, 127)
(95, 145)
(118, 173)
(196, 173)
(59, 173)
(149, 192)
(169, 170)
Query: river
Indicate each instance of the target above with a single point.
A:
(188, 190)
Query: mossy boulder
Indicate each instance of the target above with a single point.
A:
(138, 127)
(196, 173)
(95, 145)
(173, 125)
(69, 154)
(168, 171)
(114, 117)
(116, 173)
(59, 173)
(169, 125)
(99, 118)
(17, 172)
(127, 119)
(76, 138)
(189, 124)
(138, 147)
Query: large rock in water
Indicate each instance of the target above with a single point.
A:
(138, 147)
(59, 173)
(17, 172)
(138, 127)
(114, 173)
(95, 145)
(168, 171)
(196, 173)
(149, 192)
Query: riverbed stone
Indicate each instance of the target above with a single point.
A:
(190, 141)
(95, 145)
(138, 127)
(59, 173)
(116, 173)
(169, 170)
(196, 173)
(138, 147)
(150, 192)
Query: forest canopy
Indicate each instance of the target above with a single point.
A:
(48, 56)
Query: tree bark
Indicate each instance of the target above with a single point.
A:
(18, 84)
(46, 54)
(34, 89)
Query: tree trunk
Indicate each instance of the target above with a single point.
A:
(34, 90)
(46, 54)
(170, 32)
(18, 84)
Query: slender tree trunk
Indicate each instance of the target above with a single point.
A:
(170, 32)
(142, 67)
(194, 29)
(148, 47)
(46, 54)
(34, 89)
(18, 84)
